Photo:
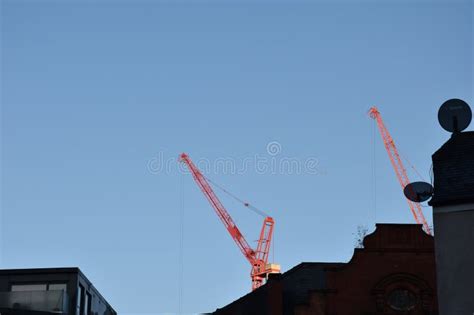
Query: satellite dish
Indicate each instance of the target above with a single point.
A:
(418, 191)
(454, 115)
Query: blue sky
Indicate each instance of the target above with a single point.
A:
(96, 96)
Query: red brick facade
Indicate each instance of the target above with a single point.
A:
(393, 274)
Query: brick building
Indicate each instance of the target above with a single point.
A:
(394, 273)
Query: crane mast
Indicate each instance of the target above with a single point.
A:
(258, 258)
(398, 166)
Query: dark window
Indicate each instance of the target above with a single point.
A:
(88, 304)
(80, 301)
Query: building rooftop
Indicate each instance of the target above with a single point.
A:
(40, 270)
(300, 281)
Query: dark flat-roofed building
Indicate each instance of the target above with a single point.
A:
(453, 218)
(50, 291)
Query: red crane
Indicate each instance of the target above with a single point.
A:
(399, 168)
(258, 258)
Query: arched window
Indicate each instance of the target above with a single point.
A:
(402, 299)
(403, 294)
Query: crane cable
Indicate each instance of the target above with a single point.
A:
(412, 166)
(374, 170)
(418, 174)
(245, 203)
(181, 246)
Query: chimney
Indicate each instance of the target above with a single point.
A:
(453, 218)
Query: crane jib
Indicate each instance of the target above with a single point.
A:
(258, 258)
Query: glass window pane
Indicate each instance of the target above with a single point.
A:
(29, 287)
(89, 304)
(57, 287)
(86, 304)
(80, 300)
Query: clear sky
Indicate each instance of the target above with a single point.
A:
(98, 96)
